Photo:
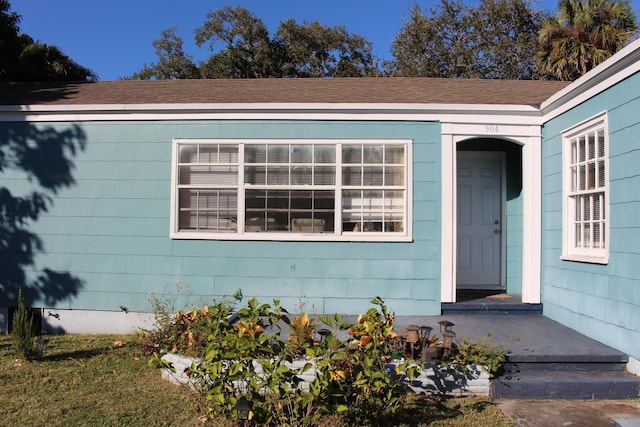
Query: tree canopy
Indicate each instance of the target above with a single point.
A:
(172, 63)
(495, 39)
(23, 59)
(583, 34)
(492, 39)
(242, 47)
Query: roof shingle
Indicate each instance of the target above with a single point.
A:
(392, 90)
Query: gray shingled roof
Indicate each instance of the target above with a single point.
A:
(397, 90)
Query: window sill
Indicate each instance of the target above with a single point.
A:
(586, 259)
(294, 237)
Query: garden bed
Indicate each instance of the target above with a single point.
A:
(449, 379)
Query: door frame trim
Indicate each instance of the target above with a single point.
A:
(502, 156)
(529, 137)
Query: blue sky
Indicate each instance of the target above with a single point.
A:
(114, 38)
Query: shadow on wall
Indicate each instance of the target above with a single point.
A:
(43, 155)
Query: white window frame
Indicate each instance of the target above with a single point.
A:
(580, 242)
(241, 232)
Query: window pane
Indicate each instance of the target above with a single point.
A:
(393, 223)
(208, 154)
(596, 207)
(581, 148)
(352, 175)
(301, 175)
(591, 176)
(188, 153)
(352, 154)
(277, 175)
(394, 176)
(325, 153)
(256, 175)
(324, 175)
(578, 235)
(373, 176)
(596, 235)
(278, 153)
(601, 174)
(301, 153)
(586, 208)
(582, 177)
(394, 200)
(373, 154)
(228, 153)
(351, 199)
(255, 153)
(586, 236)
(301, 200)
(591, 146)
(601, 143)
(394, 154)
(373, 200)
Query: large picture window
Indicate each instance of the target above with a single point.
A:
(586, 183)
(291, 190)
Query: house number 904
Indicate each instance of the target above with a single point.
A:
(491, 128)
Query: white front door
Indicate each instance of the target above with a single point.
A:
(480, 217)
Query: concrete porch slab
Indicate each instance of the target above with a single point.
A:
(525, 338)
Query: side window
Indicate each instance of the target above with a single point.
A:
(585, 191)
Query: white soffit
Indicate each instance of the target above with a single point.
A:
(467, 113)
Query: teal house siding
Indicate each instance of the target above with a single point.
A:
(110, 227)
(602, 301)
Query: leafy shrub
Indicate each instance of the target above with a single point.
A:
(248, 358)
(252, 360)
(482, 353)
(184, 332)
(353, 379)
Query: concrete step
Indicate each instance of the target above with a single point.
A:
(483, 303)
(466, 308)
(542, 384)
(600, 357)
(564, 366)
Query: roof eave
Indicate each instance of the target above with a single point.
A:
(198, 111)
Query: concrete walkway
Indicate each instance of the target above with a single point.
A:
(574, 413)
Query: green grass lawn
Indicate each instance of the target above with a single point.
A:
(89, 380)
